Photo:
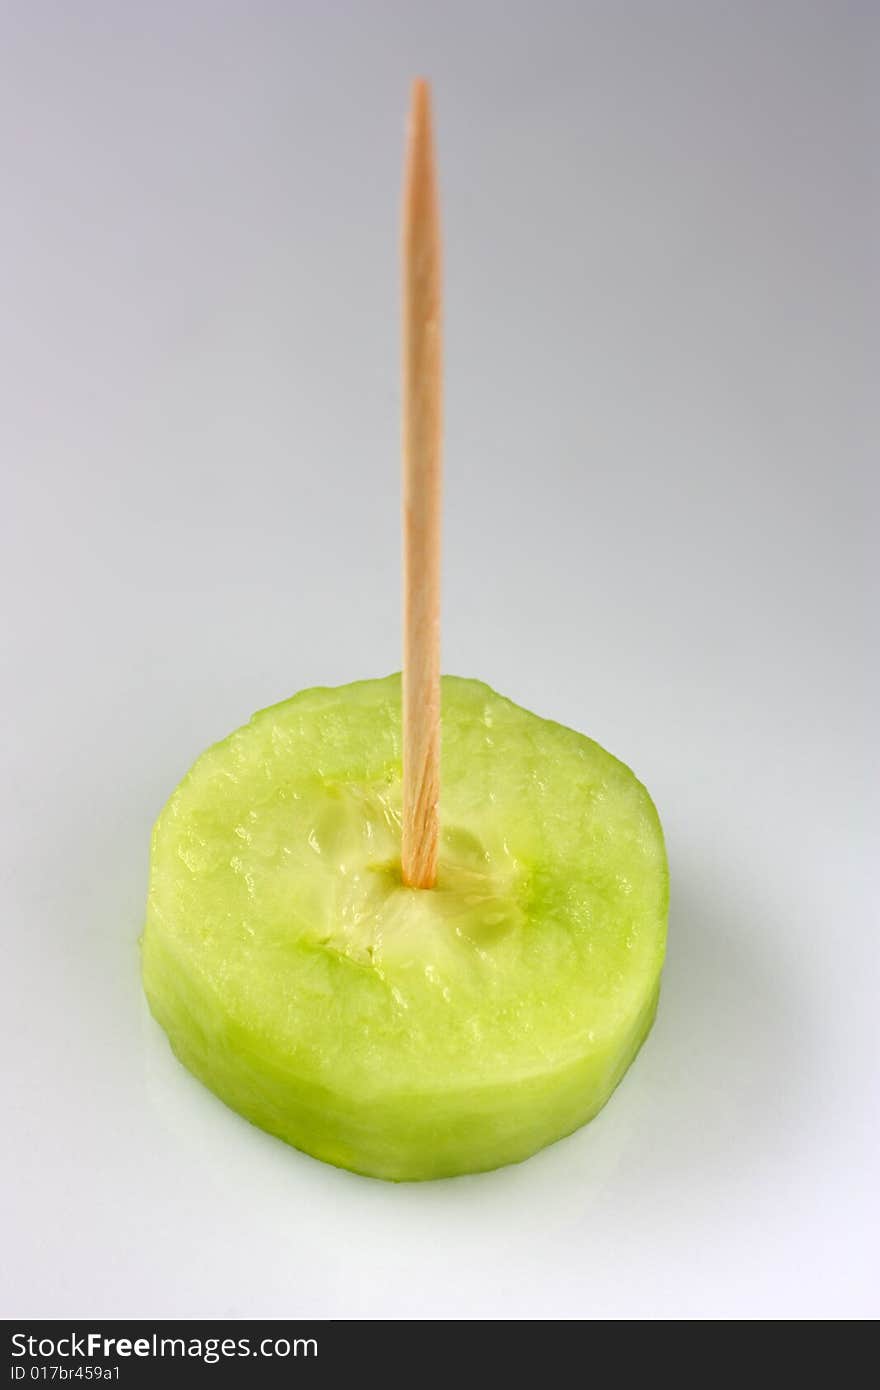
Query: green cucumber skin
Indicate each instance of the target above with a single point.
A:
(391, 1126)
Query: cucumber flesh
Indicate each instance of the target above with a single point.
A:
(394, 1031)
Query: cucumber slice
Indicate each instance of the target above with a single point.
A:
(399, 1032)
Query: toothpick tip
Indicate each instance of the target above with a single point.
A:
(420, 103)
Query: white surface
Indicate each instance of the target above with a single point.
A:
(658, 520)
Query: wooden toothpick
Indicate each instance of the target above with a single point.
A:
(422, 481)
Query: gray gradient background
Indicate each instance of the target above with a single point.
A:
(659, 231)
